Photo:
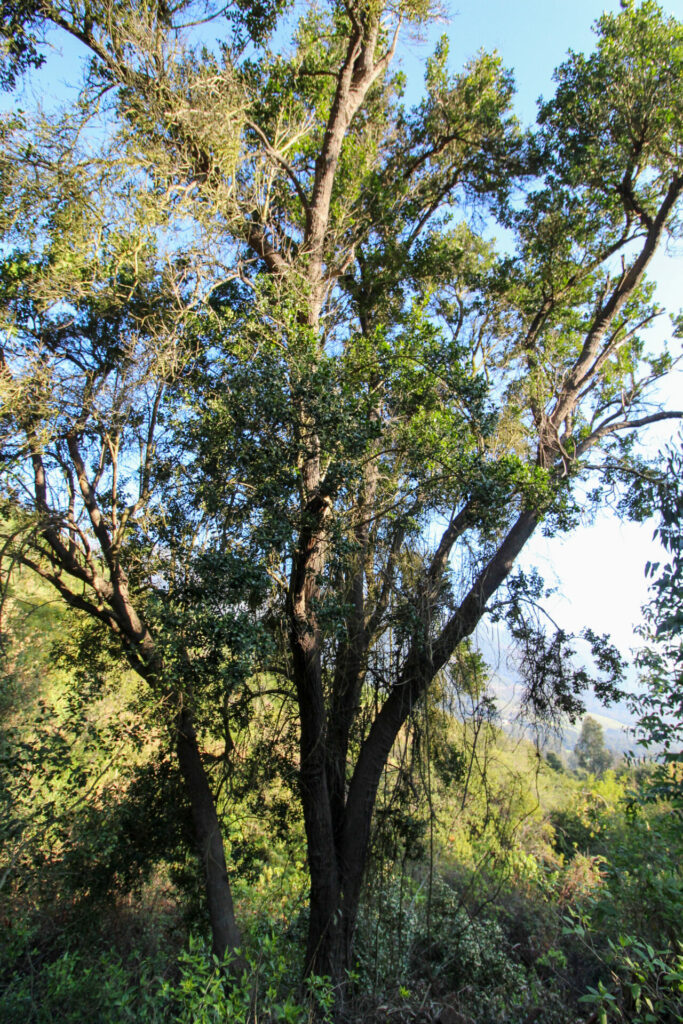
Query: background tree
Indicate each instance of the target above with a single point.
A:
(365, 372)
(554, 761)
(590, 750)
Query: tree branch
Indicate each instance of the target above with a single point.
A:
(608, 427)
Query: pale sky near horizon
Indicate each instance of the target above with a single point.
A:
(599, 569)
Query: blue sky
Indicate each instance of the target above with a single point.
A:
(532, 36)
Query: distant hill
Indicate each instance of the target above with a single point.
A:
(616, 721)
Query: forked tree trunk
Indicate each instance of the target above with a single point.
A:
(338, 852)
(334, 905)
(225, 934)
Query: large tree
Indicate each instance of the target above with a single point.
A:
(93, 308)
(373, 409)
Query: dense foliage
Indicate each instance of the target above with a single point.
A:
(660, 708)
(277, 423)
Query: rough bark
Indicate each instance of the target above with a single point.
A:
(225, 934)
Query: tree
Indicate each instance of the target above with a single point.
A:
(93, 338)
(590, 750)
(660, 707)
(357, 369)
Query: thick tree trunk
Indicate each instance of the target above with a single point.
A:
(332, 929)
(324, 921)
(334, 903)
(324, 950)
(224, 931)
(315, 800)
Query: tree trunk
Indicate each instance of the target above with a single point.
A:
(332, 926)
(334, 904)
(315, 800)
(224, 931)
(330, 940)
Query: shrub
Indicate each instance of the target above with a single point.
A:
(646, 985)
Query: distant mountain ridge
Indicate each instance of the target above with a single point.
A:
(617, 721)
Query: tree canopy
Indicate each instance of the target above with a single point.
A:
(272, 405)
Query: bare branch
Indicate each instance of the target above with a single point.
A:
(278, 158)
(610, 427)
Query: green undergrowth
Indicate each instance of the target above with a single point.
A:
(546, 942)
(501, 889)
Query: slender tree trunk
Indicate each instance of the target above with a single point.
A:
(225, 933)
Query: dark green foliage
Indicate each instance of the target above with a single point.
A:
(649, 984)
(554, 762)
(21, 35)
(253, 355)
(660, 707)
(254, 19)
(82, 822)
(494, 937)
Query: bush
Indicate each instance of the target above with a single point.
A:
(71, 990)
(110, 990)
(646, 985)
